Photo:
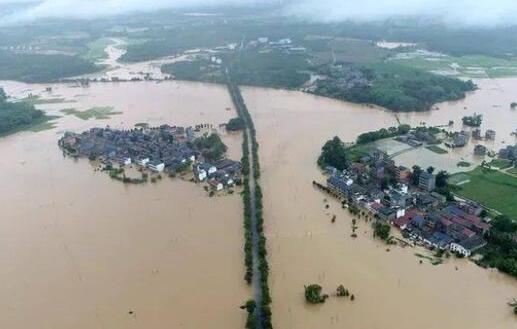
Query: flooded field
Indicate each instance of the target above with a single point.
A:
(81, 251)
(492, 100)
(392, 288)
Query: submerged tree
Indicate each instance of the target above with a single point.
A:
(381, 230)
(235, 124)
(251, 321)
(342, 292)
(313, 294)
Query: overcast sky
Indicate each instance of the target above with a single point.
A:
(462, 12)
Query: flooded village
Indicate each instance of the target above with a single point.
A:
(310, 234)
(176, 254)
(170, 149)
(410, 203)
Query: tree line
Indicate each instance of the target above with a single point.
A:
(395, 87)
(16, 115)
(263, 309)
(33, 68)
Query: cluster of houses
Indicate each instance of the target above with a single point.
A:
(418, 137)
(158, 149)
(458, 139)
(489, 134)
(219, 174)
(424, 216)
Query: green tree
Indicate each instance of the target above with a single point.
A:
(381, 230)
(14, 115)
(334, 154)
(441, 179)
(341, 291)
(235, 124)
(415, 176)
(313, 294)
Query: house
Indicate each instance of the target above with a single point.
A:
(156, 165)
(398, 199)
(459, 139)
(427, 181)
(229, 166)
(124, 161)
(418, 221)
(509, 152)
(400, 212)
(432, 220)
(210, 169)
(374, 207)
(425, 201)
(329, 170)
(467, 246)
(439, 240)
(414, 142)
(402, 173)
(215, 185)
(465, 219)
(227, 181)
(490, 134)
(200, 174)
(387, 214)
(439, 197)
(142, 161)
(402, 222)
(339, 185)
(480, 150)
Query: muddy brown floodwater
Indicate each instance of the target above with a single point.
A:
(78, 250)
(392, 289)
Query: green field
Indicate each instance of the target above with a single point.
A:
(459, 178)
(473, 66)
(500, 163)
(357, 151)
(513, 171)
(97, 113)
(436, 149)
(492, 188)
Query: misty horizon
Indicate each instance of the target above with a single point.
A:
(459, 13)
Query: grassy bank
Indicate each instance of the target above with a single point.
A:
(436, 149)
(97, 113)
